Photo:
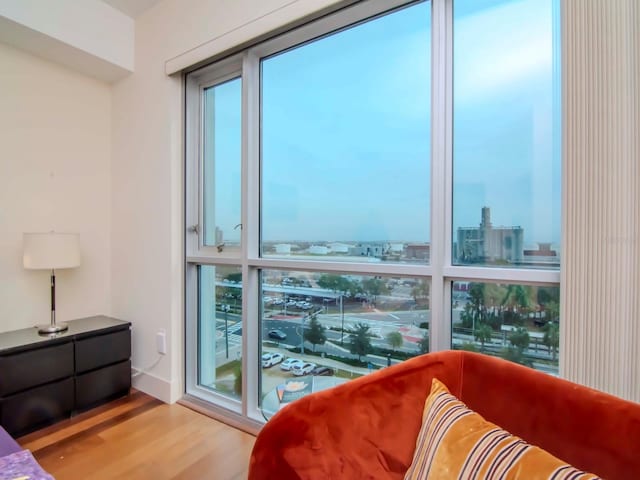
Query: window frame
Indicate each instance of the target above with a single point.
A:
(440, 272)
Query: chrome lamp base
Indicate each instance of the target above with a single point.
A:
(53, 328)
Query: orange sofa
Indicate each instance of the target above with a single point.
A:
(367, 428)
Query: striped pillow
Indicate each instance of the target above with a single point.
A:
(457, 443)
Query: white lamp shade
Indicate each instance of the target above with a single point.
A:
(51, 250)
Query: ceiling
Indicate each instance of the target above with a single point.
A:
(132, 8)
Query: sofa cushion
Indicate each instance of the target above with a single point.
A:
(456, 442)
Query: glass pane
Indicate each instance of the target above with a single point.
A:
(222, 155)
(220, 329)
(351, 325)
(516, 322)
(346, 144)
(506, 149)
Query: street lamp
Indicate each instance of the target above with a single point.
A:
(302, 334)
(342, 315)
(225, 309)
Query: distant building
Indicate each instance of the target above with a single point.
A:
(544, 256)
(283, 248)
(372, 250)
(318, 250)
(396, 247)
(339, 247)
(489, 244)
(418, 251)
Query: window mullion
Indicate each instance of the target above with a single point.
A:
(250, 229)
(441, 101)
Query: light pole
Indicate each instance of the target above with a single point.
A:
(342, 316)
(225, 309)
(302, 335)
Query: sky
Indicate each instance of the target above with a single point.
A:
(346, 129)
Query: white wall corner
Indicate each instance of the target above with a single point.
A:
(89, 36)
(157, 387)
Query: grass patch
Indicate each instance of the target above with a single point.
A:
(228, 368)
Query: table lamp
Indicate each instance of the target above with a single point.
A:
(51, 251)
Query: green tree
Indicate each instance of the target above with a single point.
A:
(237, 383)
(515, 355)
(375, 287)
(360, 342)
(467, 316)
(552, 338)
(234, 277)
(423, 344)
(519, 338)
(314, 334)
(482, 334)
(420, 293)
(552, 310)
(395, 340)
(336, 283)
(468, 346)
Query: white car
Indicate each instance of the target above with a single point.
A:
(303, 368)
(289, 363)
(271, 359)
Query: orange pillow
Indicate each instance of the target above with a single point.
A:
(457, 443)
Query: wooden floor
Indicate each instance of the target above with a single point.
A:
(139, 437)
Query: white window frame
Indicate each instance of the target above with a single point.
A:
(440, 272)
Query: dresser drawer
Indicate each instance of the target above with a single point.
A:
(101, 350)
(24, 370)
(35, 408)
(103, 384)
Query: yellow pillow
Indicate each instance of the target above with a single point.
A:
(457, 443)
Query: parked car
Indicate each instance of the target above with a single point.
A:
(271, 359)
(277, 334)
(322, 370)
(289, 363)
(303, 368)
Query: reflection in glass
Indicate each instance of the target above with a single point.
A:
(342, 326)
(346, 144)
(518, 322)
(222, 155)
(506, 133)
(220, 329)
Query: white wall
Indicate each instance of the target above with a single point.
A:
(88, 36)
(147, 164)
(55, 147)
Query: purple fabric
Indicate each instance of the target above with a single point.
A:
(7, 444)
(21, 465)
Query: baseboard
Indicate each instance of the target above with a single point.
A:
(155, 386)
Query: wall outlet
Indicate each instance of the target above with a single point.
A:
(161, 341)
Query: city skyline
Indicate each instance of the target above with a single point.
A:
(363, 173)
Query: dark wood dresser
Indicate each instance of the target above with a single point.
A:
(44, 379)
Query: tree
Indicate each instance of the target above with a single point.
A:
(423, 344)
(468, 346)
(420, 293)
(360, 343)
(235, 277)
(395, 340)
(336, 283)
(237, 382)
(519, 338)
(552, 338)
(483, 334)
(315, 333)
(374, 287)
(552, 310)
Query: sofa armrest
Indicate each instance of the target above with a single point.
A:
(365, 428)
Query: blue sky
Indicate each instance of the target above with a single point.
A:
(346, 129)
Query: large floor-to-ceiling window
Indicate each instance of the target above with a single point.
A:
(371, 186)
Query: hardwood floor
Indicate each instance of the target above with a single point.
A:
(139, 437)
